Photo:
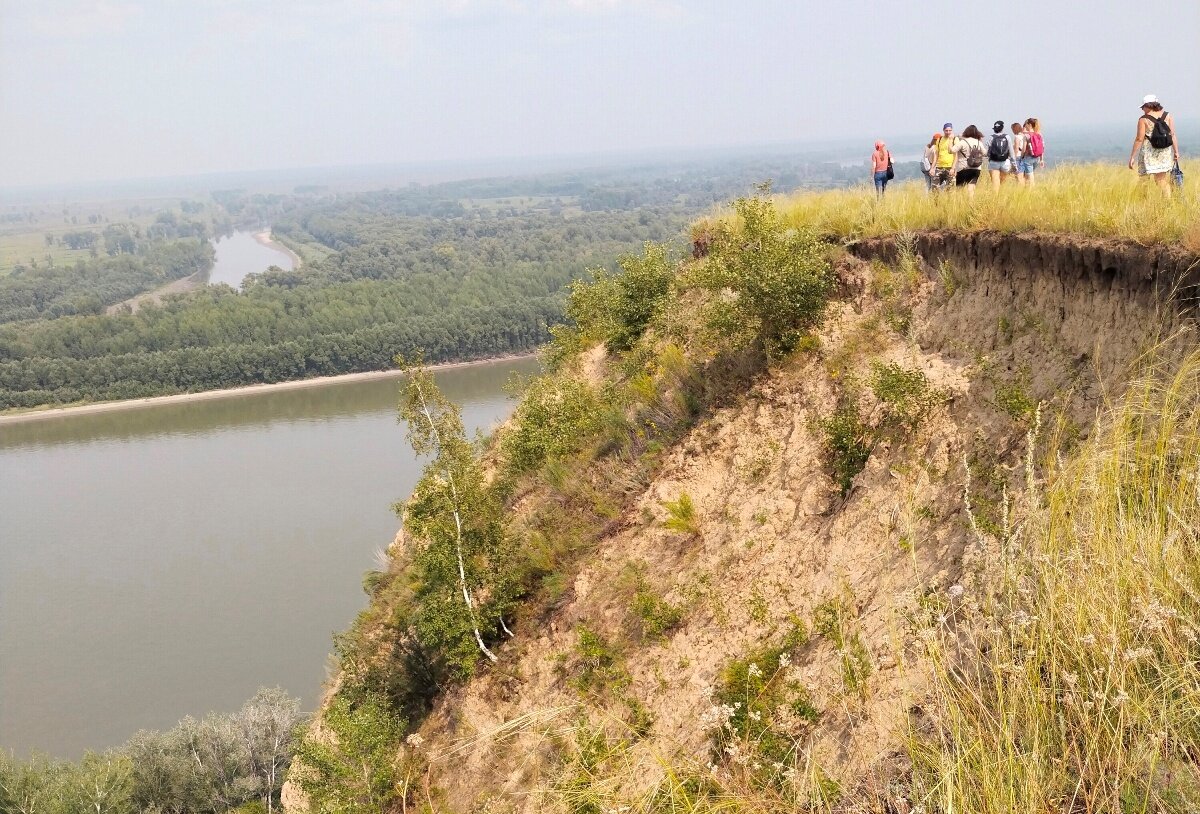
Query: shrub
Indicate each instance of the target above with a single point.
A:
(779, 278)
(616, 308)
(558, 415)
(906, 393)
(848, 443)
(357, 769)
(759, 709)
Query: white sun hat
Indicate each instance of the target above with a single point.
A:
(1149, 99)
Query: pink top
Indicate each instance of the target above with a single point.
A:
(879, 158)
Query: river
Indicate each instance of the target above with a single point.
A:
(169, 560)
(240, 254)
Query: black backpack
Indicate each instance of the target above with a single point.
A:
(1160, 134)
(998, 151)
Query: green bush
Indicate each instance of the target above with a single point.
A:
(780, 278)
(356, 771)
(848, 444)
(749, 699)
(558, 415)
(616, 308)
(906, 393)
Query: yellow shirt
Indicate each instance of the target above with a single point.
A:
(945, 158)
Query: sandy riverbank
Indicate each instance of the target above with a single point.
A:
(231, 392)
(264, 237)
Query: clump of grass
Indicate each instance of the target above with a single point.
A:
(654, 615)
(759, 709)
(833, 619)
(1069, 662)
(681, 515)
(1102, 200)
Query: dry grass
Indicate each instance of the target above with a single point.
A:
(1096, 200)
(1069, 675)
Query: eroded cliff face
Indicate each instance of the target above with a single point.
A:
(995, 325)
(1102, 300)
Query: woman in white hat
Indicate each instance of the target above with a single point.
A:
(1156, 147)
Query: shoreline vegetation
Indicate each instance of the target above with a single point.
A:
(92, 408)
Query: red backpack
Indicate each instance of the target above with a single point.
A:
(1037, 147)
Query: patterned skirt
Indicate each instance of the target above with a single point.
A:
(1154, 161)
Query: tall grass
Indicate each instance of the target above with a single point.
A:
(1069, 668)
(1099, 200)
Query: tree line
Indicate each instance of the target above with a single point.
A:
(200, 766)
(456, 288)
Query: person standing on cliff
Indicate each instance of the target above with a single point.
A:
(1032, 157)
(999, 153)
(881, 167)
(929, 160)
(943, 170)
(1155, 147)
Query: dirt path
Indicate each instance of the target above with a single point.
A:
(189, 283)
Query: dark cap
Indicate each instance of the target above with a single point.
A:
(998, 126)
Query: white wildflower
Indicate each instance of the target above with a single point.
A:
(753, 671)
(785, 661)
(955, 591)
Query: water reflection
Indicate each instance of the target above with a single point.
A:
(168, 561)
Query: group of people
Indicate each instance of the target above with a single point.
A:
(952, 161)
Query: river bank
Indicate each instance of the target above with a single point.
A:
(37, 414)
(264, 237)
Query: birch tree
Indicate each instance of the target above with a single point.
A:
(457, 522)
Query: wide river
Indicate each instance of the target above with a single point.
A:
(170, 560)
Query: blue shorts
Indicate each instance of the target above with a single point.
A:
(1000, 166)
(1027, 165)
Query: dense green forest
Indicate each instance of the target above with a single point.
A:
(455, 287)
(459, 270)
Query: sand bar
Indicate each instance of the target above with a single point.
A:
(232, 392)
(264, 237)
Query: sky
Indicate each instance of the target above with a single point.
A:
(111, 89)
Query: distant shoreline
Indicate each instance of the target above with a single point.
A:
(264, 237)
(234, 392)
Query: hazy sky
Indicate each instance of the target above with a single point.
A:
(100, 89)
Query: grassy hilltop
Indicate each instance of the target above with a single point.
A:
(785, 528)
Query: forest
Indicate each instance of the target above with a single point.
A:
(458, 270)
(461, 287)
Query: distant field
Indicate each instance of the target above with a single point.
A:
(23, 228)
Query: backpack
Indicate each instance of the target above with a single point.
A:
(1037, 147)
(891, 171)
(998, 151)
(1160, 135)
(975, 156)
